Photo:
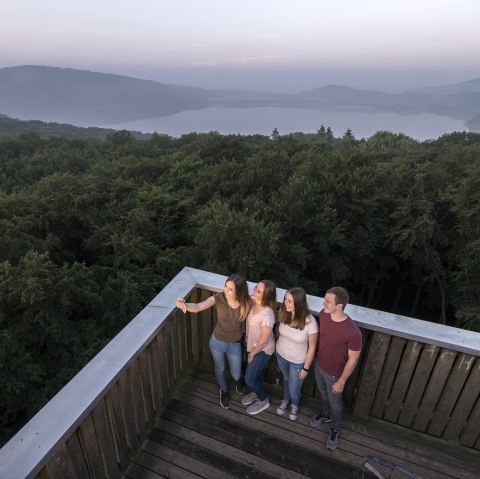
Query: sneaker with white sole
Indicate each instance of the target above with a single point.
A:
(224, 399)
(293, 414)
(240, 386)
(332, 440)
(282, 407)
(318, 419)
(249, 398)
(258, 406)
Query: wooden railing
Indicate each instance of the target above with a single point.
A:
(413, 373)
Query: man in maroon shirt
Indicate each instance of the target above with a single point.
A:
(339, 347)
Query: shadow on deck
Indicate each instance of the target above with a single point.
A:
(197, 438)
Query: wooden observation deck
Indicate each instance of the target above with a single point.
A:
(147, 406)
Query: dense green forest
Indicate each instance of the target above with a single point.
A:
(92, 229)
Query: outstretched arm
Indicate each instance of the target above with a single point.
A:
(195, 307)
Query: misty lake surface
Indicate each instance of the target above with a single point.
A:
(263, 120)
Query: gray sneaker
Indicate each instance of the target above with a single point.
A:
(282, 407)
(332, 440)
(258, 406)
(293, 414)
(318, 419)
(249, 398)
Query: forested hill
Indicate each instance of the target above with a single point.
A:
(92, 229)
(87, 98)
(11, 128)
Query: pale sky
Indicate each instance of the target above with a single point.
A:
(215, 43)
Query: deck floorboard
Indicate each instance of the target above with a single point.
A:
(197, 438)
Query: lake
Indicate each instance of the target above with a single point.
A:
(263, 120)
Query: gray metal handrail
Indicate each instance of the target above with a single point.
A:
(386, 463)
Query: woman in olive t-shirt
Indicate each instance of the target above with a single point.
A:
(233, 305)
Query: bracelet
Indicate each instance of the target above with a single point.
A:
(306, 370)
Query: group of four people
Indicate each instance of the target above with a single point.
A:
(331, 346)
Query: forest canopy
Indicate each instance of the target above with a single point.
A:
(92, 229)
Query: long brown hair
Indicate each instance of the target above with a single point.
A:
(269, 297)
(241, 293)
(301, 309)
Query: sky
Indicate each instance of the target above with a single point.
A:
(275, 45)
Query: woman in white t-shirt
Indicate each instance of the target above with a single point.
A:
(260, 343)
(296, 345)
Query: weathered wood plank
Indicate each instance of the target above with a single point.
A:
(146, 384)
(170, 358)
(419, 382)
(133, 375)
(206, 320)
(194, 327)
(165, 380)
(91, 449)
(163, 458)
(387, 377)
(156, 377)
(375, 357)
(182, 339)
(434, 389)
(402, 380)
(119, 434)
(189, 341)
(135, 471)
(77, 457)
(454, 386)
(176, 351)
(127, 408)
(194, 330)
(60, 465)
(464, 406)
(105, 440)
(471, 434)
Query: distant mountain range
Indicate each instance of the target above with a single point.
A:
(94, 99)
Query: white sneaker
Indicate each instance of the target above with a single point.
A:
(293, 414)
(282, 407)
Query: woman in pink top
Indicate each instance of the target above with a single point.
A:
(296, 344)
(260, 343)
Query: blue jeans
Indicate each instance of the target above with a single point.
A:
(255, 369)
(234, 355)
(332, 403)
(292, 384)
